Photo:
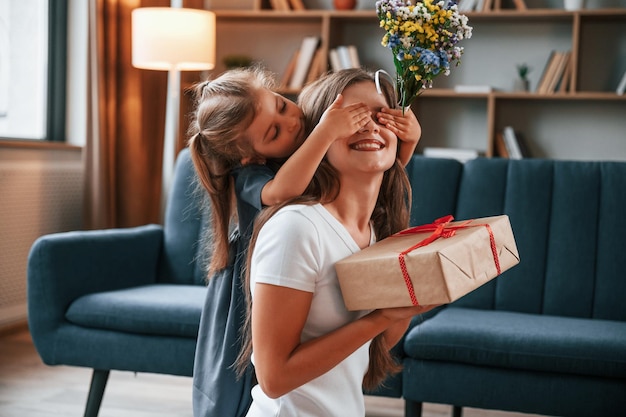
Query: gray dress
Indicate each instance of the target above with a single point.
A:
(217, 392)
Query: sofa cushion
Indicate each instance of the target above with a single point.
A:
(523, 341)
(158, 309)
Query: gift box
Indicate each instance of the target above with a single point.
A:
(430, 264)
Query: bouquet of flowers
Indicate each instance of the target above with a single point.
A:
(423, 38)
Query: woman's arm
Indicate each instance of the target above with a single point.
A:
(281, 362)
(296, 173)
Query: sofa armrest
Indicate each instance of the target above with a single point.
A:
(65, 266)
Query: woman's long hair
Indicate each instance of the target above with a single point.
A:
(224, 108)
(390, 215)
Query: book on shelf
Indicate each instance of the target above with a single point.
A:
(303, 63)
(291, 66)
(563, 85)
(335, 62)
(280, 5)
(344, 57)
(316, 68)
(622, 85)
(555, 68)
(466, 5)
(514, 143)
(546, 69)
(501, 149)
(355, 61)
(460, 154)
(471, 88)
(520, 4)
(297, 4)
(562, 61)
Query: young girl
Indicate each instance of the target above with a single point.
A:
(311, 354)
(249, 149)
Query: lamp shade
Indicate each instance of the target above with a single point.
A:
(165, 38)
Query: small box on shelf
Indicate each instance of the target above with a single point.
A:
(460, 154)
(473, 89)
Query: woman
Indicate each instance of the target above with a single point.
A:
(310, 354)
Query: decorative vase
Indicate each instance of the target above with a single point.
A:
(574, 4)
(520, 84)
(344, 4)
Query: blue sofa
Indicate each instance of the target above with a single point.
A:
(547, 336)
(122, 299)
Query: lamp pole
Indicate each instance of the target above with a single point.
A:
(172, 111)
(171, 134)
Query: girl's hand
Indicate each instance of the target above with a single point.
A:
(341, 122)
(406, 127)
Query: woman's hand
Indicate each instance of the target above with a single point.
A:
(401, 318)
(401, 313)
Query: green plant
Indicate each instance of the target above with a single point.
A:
(523, 70)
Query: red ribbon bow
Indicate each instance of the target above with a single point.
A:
(440, 228)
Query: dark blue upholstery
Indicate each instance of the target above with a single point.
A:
(122, 299)
(549, 335)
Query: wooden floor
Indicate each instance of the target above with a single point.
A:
(28, 388)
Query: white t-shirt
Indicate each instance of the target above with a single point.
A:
(298, 248)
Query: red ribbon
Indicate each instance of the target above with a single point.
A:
(439, 228)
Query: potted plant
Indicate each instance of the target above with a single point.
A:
(521, 82)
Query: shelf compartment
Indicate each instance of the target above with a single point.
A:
(569, 130)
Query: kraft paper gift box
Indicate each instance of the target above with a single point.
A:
(430, 264)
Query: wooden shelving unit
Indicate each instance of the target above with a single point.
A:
(587, 122)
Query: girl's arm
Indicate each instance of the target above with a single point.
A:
(283, 363)
(296, 173)
(407, 129)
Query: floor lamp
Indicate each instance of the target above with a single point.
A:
(172, 39)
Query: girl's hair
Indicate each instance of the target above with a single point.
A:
(390, 215)
(224, 108)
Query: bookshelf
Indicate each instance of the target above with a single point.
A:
(586, 122)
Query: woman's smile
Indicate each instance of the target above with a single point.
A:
(367, 145)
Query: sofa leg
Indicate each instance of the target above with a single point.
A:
(96, 391)
(412, 408)
(457, 411)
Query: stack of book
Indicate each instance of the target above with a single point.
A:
(509, 144)
(305, 64)
(344, 57)
(556, 74)
(286, 5)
